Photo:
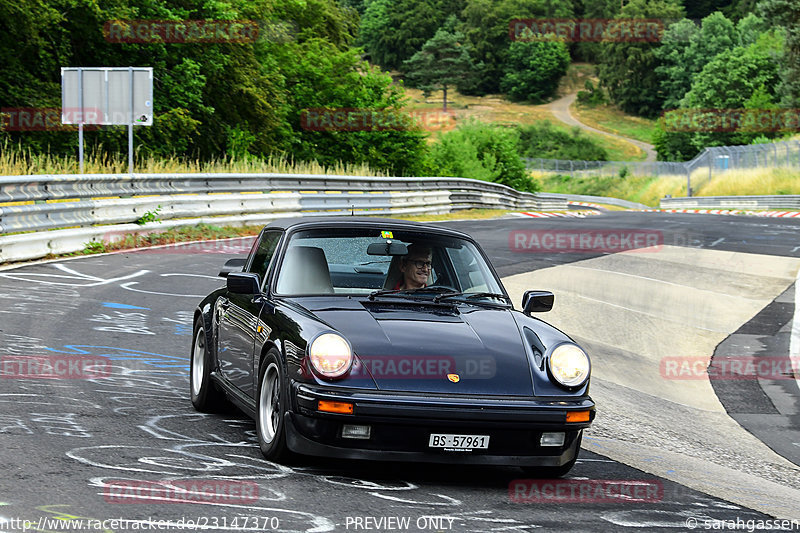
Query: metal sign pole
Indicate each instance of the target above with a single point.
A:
(130, 126)
(80, 122)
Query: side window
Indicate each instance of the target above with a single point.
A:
(264, 252)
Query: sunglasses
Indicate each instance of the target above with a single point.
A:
(420, 264)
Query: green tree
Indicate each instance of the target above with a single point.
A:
(672, 145)
(686, 50)
(210, 99)
(393, 30)
(543, 140)
(485, 24)
(628, 69)
(739, 78)
(442, 62)
(749, 28)
(533, 68)
(482, 151)
(700, 9)
(593, 9)
(322, 77)
(676, 77)
(786, 14)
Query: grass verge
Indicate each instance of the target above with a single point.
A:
(15, 162)
(649, 190)
(611, 119)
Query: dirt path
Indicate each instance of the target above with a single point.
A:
(560, 110)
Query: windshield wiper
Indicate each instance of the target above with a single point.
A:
(409, 292)
(388, 292)
(472, 295)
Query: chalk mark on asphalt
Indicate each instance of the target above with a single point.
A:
(73, 275)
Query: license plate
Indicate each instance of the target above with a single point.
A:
(458, 442)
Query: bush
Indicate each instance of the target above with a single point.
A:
(533, 68)
(592, 96)
(482, 151)
(671, 144)
(544, 140)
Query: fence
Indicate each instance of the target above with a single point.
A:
(106, 206)
(708, 163)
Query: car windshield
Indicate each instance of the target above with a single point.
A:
(372, 262)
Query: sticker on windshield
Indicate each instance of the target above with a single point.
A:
(387, 235)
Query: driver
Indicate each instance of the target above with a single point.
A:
(415, 267)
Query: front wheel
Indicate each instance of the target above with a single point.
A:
(272, 400)
(205, 395)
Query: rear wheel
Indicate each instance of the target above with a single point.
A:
(271, 408)
(205, 395)
(552, 472)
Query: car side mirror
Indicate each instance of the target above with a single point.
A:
(244, 283)
(537, 302)
(232, 265)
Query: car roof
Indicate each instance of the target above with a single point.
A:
(354, 221)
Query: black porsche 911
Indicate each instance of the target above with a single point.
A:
(381, 339)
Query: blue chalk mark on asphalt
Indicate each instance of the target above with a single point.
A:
(178, 364)
(113, 305)
(183, 329)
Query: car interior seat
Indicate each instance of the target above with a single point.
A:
(305, 271)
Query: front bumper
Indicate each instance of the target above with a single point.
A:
(401, 424)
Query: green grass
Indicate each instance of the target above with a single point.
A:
(199, 232)
(17, 162)
(611, 119)
(649, 190)
(617, 149)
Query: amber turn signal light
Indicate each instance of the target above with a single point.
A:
(576, 416)
(335, 407)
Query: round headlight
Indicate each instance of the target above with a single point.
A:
(330, 355)
(569, 365)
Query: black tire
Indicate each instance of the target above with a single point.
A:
(206, 397)
(271, 407)
(552, 472)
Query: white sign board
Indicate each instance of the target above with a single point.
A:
(107, 95)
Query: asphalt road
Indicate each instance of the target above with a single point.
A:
(86, 449)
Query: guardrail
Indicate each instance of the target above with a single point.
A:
(788, 201)
(104, 207)
(598, 199)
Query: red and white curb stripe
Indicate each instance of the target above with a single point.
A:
(586, 204)
(546, 214)
(771, 214)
